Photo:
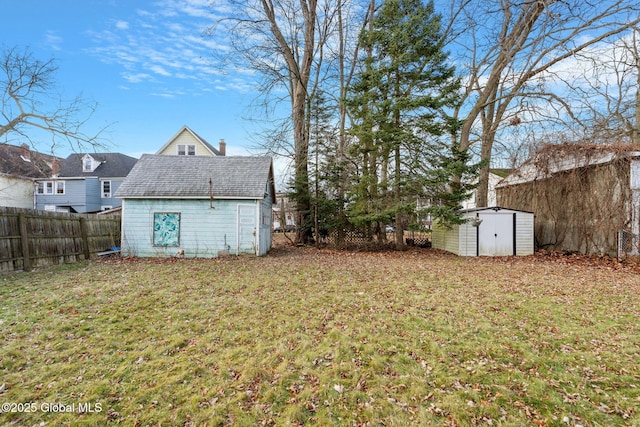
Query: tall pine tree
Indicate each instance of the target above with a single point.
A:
(399, 102)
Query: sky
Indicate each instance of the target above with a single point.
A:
(146, 63)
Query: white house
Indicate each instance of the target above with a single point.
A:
(495, 176)
(19, 168)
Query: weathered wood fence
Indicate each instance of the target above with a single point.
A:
(31, 238)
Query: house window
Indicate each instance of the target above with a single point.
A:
(50, 187)
(166, 229)
(106, 189)
(186, 150)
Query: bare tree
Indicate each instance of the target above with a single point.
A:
(280, 40)
(605, 89)
(27, 86)
(514, 44)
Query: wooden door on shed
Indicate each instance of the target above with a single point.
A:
(495, 234)
(247, 229)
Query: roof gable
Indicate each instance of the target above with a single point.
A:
(186, 134)
(158, 176)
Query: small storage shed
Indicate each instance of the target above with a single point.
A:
(197, 206)
(492, 231)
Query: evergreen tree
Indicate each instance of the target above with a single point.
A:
(398, 103)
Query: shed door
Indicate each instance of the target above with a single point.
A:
(247, 229)
(495, 234)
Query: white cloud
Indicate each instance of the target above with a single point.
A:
(136, 78)
(165, 44)
(160, 70)
(53, 40)
(122, 25)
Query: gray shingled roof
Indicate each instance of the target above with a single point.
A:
(188, 177)
(114, 165)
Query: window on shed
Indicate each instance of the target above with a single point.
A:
(166, 229)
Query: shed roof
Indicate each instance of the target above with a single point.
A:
(156, 176)
(492, 208)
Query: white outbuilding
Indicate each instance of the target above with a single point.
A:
(492, 231)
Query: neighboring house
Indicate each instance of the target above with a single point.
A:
(19, 168)
(188, 143)
(495, 176)
(491, 231)
(283, 214)
(197, 206)
(84, 183)
(582, 196)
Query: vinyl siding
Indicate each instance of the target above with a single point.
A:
(74, 195)
(111, 201)
(93, 195)
(467, 240)
(524, 233)
(446, 239)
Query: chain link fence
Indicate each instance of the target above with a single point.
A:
(628, 244)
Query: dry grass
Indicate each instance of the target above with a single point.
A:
(308, 337)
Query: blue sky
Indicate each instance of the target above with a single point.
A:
(145, 62)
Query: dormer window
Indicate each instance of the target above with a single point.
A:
(89, 164)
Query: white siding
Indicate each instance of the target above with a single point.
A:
(468, 240)
(16, 192)
(524, 233)
(446, 239)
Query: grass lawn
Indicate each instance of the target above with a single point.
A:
(308, 337)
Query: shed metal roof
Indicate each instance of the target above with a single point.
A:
(156, 176)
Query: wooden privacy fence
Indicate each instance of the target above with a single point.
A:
(31, 238)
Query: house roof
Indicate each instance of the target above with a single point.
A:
(204, 142)
(156, 176)
(112, 165)
(21, 161)
(565, 157)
